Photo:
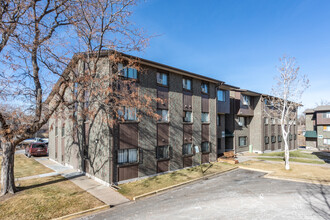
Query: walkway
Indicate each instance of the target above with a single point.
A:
(106, 194)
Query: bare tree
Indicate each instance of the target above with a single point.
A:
(322, 102)
(286, 98)
(39, 54)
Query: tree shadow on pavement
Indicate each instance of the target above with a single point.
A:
(317, 197)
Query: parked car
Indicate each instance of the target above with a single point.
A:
(36, 149)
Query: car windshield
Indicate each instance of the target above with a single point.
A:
(38, 146)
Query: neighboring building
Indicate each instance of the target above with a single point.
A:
(201, 118)
(318, 127)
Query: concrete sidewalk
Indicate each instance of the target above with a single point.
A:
(106, 194)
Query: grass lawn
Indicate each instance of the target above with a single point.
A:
(297, 171)
(27, 166)
(150, 184)
(46, 198)
(296, 153)
(301, 160)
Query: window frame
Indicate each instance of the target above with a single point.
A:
(63, 130)
(279, 138)
(183, 150)
(207, 88)
(161, 74)
(266, 121)
(246, 100)
(163, 147)
(184, 84)
(224, 95)
(209, 147)
(245, 141)
(162, 118)
(127, 159)
(239, 122)
(266, 139)
(208, 117)
(273, 139)
(326, 141)
(326, 114)
(124, 113)
(185, 116)
(123, 71)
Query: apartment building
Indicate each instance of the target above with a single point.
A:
(200, 119)
(317, 133)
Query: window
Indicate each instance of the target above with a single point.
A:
(221, 95)
(129, 113)
(218, 120)
(205, 117)
(187, 149)
(273, 121)
(186, 84)
(290, 137)
(273, 139)
(242, 141)
(279, 138)
(162, 152)
(56, 131)
(163, 114)
(127, 71)
(205, 87)
(266, 121)
(63, 130)
(127, 156)
(326, 115)
(326, 141)
(266, 140)
(162, 79)
(187, 116)
(295, 137)
(241, 121)
(246, 100)
(205, 147)
(326, 128)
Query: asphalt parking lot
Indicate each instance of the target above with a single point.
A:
(239, 194)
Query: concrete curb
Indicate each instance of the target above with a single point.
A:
(85, 212)
(180, 184)
(268, 175)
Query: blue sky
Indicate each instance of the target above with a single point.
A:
(240, 41)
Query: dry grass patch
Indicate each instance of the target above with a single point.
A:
(297, 171)
(150, 184)
(46, 198)
(27, 166)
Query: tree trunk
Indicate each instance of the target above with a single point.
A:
(7, 169)
(286, 154)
